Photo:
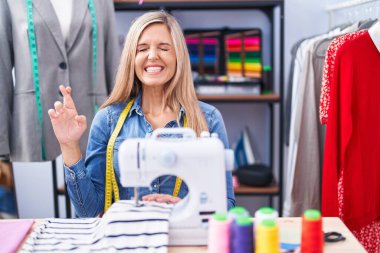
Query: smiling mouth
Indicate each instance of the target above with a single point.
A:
(153, 69)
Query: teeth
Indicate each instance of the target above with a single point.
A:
(153, 69)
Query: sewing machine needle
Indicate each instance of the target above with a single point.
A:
(136, 196)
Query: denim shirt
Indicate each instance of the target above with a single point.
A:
(85, 179)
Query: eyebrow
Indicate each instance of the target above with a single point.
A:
(160, 44)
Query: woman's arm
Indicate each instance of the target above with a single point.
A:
(216, 125)
(85, 181)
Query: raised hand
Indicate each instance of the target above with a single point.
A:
(68, 125)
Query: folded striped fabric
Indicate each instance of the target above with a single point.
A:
(123, 228)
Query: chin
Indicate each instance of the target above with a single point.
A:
(155, 83)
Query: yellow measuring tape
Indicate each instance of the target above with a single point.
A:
(111, 183)
(178, 180)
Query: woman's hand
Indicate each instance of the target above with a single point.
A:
(68, 126)
(161, 198)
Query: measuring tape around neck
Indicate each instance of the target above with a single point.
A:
(35, 67)
(111, 187)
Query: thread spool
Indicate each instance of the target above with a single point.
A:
(238, 211)
(234, 214)
(267, 237)
(312, 235)
(219, 233)
(265, 213)
(242, 235)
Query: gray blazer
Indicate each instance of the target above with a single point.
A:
(60, 62)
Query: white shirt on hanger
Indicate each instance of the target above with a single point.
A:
(374, 33)
(64, 11)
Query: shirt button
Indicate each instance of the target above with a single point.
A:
(63, 65)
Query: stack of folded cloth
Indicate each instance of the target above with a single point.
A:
(124, 227)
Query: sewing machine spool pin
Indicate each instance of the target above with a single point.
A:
(136, 195)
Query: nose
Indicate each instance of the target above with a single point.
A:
(153, 54)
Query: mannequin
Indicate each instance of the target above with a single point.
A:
(65, 56)
(65, 51)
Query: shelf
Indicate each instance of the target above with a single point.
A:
(195, 4)
(270, 98)
(250, 190)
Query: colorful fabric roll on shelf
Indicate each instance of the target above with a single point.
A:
(203, 54)
(243, 56)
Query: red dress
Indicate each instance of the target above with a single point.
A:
(352, 145)
(328, 71)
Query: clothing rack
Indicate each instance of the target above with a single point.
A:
(347, 4)
(331, 9)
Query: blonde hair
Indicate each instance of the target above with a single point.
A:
(180, 90)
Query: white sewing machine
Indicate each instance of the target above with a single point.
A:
(200, 162)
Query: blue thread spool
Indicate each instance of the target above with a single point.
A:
(242, 235)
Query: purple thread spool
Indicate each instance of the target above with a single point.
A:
(242, 235)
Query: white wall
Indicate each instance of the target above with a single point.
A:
(303, 18)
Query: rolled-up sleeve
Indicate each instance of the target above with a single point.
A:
(85, 179)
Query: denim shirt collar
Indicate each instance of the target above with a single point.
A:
(136, 107)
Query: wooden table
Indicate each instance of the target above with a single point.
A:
(292, 227)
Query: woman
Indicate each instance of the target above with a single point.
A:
(154, 79)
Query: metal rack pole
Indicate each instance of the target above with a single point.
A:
(347, 4)
(344, 5)
(55, 188)
(281, 124)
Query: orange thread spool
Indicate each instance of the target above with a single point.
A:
(312, 235)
